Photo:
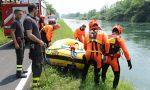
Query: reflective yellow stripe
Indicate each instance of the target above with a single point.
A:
(37, 78)
(19, 66)
(93, 51)
(34, 84)
(98, 41)
(112, 40)
(92, 40)
(19, 69)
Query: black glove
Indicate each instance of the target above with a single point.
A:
(129, 64)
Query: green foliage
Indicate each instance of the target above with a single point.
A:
(73, 15)
(58, 80)
(50, 8)
(3, 39)
(124, 10)
(63, 32)
(127, 10)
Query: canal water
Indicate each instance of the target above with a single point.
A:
(137, 37)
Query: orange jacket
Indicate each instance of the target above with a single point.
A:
(101, 39)
(121, 44)
(48, 29)
(78, 34)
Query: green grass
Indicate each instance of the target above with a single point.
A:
(54, 79)
(63, 32)
(3, 39)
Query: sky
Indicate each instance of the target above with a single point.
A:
(82, 6)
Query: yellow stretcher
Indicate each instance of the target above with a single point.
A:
(60, 54)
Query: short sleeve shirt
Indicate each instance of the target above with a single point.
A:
(30, 23)
(17, 26)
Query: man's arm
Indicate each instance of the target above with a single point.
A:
(85, 42)
(28, 28)
(13, 30)
(124, 49)
(75, 34)
(126, 53)
(57, 26)
(42, 29)
(32, 37)
(14, 39)
(106, 42)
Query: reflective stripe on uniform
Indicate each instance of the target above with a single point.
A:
(112, 40)
(19, 66)
(93, 51)
(34, 84)
(36, 79)
(19, 69)
(92, 40)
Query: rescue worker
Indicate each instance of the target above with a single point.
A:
(79, 33)
(36, 44)
(116, 44)
(17, 33)
(92, 43)
(48, 29)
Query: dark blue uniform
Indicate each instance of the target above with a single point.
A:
(19, 33)
(35, 53)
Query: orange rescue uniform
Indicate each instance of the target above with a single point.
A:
(48, 29)
(116, 43)
(92, 47)
(113, 58)
(79, 34)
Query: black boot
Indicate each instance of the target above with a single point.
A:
(116, 79)
(96, 75)
(20, 75)
(103, 79)
(24, 71)
(96, 80)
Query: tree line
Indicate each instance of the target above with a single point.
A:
(124, 10)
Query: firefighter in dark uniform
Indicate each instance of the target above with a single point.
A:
(36, 44)
(17, 33)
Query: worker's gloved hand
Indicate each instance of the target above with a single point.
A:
(129, 64)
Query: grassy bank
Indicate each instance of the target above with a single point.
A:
(55, 79)
(3, 39)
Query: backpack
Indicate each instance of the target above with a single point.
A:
(114, 44)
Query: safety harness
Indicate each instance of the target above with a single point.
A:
(93, 39)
